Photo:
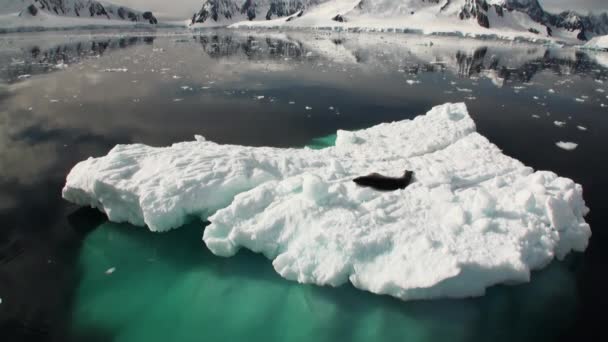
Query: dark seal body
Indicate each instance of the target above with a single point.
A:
(380, 182)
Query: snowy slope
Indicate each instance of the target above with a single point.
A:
(598, 43)
(490, 18)
(40, 14)
(472, 218)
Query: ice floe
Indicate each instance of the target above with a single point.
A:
(565, 145)
(473, 217)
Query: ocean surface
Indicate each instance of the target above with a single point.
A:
(67, 274)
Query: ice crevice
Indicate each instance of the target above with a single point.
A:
(473, 217)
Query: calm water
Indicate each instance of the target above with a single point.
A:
(68, 274)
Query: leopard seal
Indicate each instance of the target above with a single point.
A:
(385, 183)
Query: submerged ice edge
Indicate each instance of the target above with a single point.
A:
(472, 218)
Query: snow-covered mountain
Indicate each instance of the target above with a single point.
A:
(526, 16)
(222, 11)
(84, 9)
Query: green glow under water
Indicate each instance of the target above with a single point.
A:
(169, 287)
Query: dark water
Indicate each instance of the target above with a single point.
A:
(88, 92)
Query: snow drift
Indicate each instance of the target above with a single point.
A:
(472, 217)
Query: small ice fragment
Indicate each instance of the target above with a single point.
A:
(582, 128)
(568, 146)
(185, 87)
(559, 123)
(464, 90)
(308, 108)
(30, 109)
(292, 102)
(412, 82)
(331, 108)
(22, 77)
(205, 88)
(178, 100)
(110, 270)
(176, 77)
(116, 70)
(551, 91)
(536, 116)
(599, 90)
(579, 100)
(535, 97)
(53, 101)
(260, 97)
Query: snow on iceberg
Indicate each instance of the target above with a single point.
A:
(473, 217)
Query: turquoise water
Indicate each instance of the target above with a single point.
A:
(141, 286)
(169, 287)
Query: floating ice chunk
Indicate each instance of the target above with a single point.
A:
(551, 91)
(412, 82)
(559, 123)
(464, 90)
(178, 100)
(116, 70)
(110, 270)
(308, 108)
(22, 77)
(471, 218)
(292, 102)
(579, 100)
(261, 97)
(568, 146)
(582, 128)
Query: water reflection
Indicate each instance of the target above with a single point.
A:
(21, 58)
(252, 89)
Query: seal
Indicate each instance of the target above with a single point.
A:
(380, 182)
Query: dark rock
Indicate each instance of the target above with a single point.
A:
(532, 30)
(482, 20)
(32, 10)
(339, 18)
(150, 17)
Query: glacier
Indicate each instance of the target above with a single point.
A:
(472, 218)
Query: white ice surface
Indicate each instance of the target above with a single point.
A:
(472, 217)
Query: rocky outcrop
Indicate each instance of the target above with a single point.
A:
(235, 10)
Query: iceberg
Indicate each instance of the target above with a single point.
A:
(472, 217)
